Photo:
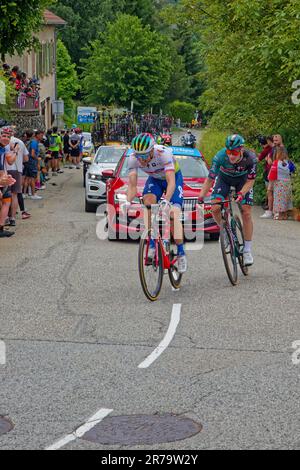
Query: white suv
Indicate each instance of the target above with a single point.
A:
(107, 158)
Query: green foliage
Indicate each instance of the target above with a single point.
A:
(211, 143)
(296, 188)
(7, 96)
(175, 22)
(67, 79)
(18, 20)
(251, 61)
(182, 110)
(260, 191)
(87, 19)
(128, 62)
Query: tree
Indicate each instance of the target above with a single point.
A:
(85, 20)
(128, 62)
(18, 20)
(178, 25)
(7, 96)
(183, 111)
(67, 79)
(251, 61)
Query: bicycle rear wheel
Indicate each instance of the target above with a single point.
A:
(175, 277)
(151, 272)
(228, 252)
(241, 245)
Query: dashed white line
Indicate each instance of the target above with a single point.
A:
(82, 430)
(175, 319)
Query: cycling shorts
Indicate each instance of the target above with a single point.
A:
(222, 189)
(159, 187)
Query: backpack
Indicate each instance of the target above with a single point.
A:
(292, 167)
(53, 140)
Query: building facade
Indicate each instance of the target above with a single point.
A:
(41, 65)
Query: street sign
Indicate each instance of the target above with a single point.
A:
(59, 107)
(86, 115)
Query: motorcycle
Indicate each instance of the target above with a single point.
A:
(189, 141)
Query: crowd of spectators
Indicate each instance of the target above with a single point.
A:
(278, 171)
(28, 163)
(25, 87)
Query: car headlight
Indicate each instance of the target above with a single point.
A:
(121, 197)
(94, 177)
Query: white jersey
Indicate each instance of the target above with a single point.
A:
(162, 162)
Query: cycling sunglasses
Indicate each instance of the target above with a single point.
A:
(140, 156)
(234, 153)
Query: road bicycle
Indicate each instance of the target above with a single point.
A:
(232, 239)
(152, 271)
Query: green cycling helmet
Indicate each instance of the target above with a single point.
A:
(234, 141)
(143, 143)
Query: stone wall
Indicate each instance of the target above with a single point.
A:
(25, 121)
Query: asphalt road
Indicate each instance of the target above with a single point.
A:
(77, 326)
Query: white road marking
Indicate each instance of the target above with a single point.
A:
(82, 430)
(175, 319)
(63, 442)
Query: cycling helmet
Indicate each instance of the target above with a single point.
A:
(6, 130)
(143, 143)
(234, 141)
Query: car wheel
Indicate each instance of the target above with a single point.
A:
(90, 207)
(215, 237)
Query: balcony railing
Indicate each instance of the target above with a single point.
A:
(27, 103)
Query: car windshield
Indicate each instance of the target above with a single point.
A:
(109, 155)
(87, 137)
(191, 167)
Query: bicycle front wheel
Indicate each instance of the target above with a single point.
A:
(228, 252)
(241, 245)
(151, 271)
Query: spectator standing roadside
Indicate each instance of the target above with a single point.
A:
(66, 145)
(55, 147)
(7, 157)
(267, 156)
(277, 144)
(280, 175)
(32, 166)
(75, 150)
(16, 171)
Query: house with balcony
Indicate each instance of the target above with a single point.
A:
(37, 110)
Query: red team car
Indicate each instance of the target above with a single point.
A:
(194, 170)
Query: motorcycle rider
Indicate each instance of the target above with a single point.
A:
(189, 140)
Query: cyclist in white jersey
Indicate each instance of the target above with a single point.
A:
(164, 178)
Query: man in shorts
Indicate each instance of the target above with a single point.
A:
(31, 170)
(75, 141)
(7, 157)
(55, 147)
(16, 171)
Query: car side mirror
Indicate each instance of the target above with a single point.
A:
(107, 174)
